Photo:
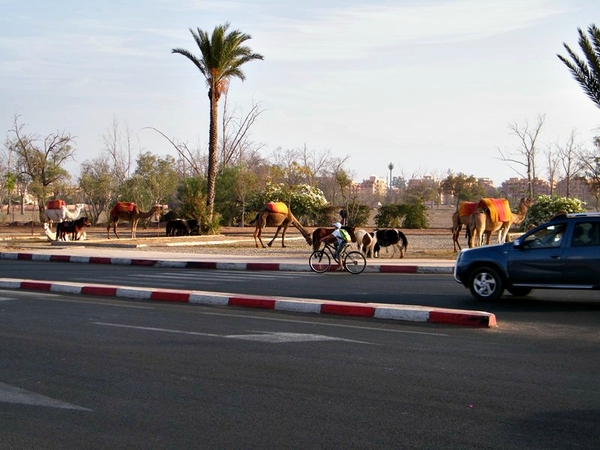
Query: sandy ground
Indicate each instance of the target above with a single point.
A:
(433, 243)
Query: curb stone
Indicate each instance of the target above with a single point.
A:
(299, 305)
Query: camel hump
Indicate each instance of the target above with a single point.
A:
(55, 204)
(277, 207)
(466, 208)
(498, 207)
(124, 207)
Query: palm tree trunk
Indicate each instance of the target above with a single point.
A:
(212, 154)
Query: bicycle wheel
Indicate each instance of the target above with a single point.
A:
(319, 261)
(355, 262)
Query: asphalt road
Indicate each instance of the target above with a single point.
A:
(555, 308)
(97, 373)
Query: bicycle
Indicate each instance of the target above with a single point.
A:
(320, 260)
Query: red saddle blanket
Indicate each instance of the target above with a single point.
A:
(124, 207)
(55, 204)
(277, 207)
(466, 208)
(498, 207)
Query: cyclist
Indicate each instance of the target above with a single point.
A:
(338, 238)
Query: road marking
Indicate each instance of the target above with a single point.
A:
(221, 274)
(323, 323)
(11, 394)
(277, 338)
(261, 336)
(162, 330)
(215, 277)
(114, 303)
(5, 299)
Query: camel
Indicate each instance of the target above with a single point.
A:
(280, 216)
(62, 213)
(129, 212)
(461, 218)
(481, 222)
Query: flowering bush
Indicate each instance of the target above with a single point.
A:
(546, 207)
(305, 201)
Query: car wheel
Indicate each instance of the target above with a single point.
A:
(519, 291)
(486, 284)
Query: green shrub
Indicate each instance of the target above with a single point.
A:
(546, 207)
(415, 216)
(406, 215)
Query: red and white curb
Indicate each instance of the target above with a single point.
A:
(298, 305)
(288, 267)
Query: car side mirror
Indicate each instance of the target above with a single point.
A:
(517, 243)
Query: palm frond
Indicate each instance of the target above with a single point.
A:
(586, 71)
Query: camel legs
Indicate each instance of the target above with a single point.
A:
(257, 236)
(114, 226)
(285, 227)
(503, 234)
(134, 224)
(455, 235)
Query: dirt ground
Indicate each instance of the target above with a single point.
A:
(432, 243)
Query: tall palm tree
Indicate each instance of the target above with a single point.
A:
(221, 58)
(587, 73)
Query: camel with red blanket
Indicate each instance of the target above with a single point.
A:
(277, 214)
(460, 219)
(56, 211)
(494, 215)
(129, 212)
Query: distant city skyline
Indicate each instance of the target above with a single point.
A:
(429, 86)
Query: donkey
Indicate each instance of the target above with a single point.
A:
(71, 230)
(393, 237)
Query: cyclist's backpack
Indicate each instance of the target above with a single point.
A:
(345, 235)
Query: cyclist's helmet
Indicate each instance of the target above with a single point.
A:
(337, 225)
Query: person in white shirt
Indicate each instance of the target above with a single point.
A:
(338, 240)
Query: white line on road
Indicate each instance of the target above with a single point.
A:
(11, 394)
(313, 322)
(261, 336)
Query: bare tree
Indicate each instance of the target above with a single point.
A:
(335, 181)
(192, 162)
(117, 145)
(236, 145)
(526, 154)
(40, 160)
(552, 161)
(318, 164)
(567, 154)
(590, 166)
(98, 183)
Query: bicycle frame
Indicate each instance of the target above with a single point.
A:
(332, 251)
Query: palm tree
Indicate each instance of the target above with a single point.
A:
(221, 58)
(587, 73)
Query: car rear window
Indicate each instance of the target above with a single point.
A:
(586, 234)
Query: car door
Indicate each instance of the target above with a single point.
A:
(539, 259)
(582, 255)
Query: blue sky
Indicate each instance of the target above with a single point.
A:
(429, 86)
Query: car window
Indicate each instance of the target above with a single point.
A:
(586, 234)
(547, 237)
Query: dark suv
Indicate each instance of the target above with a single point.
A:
(563, 253)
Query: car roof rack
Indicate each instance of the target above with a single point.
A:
(587, 214)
